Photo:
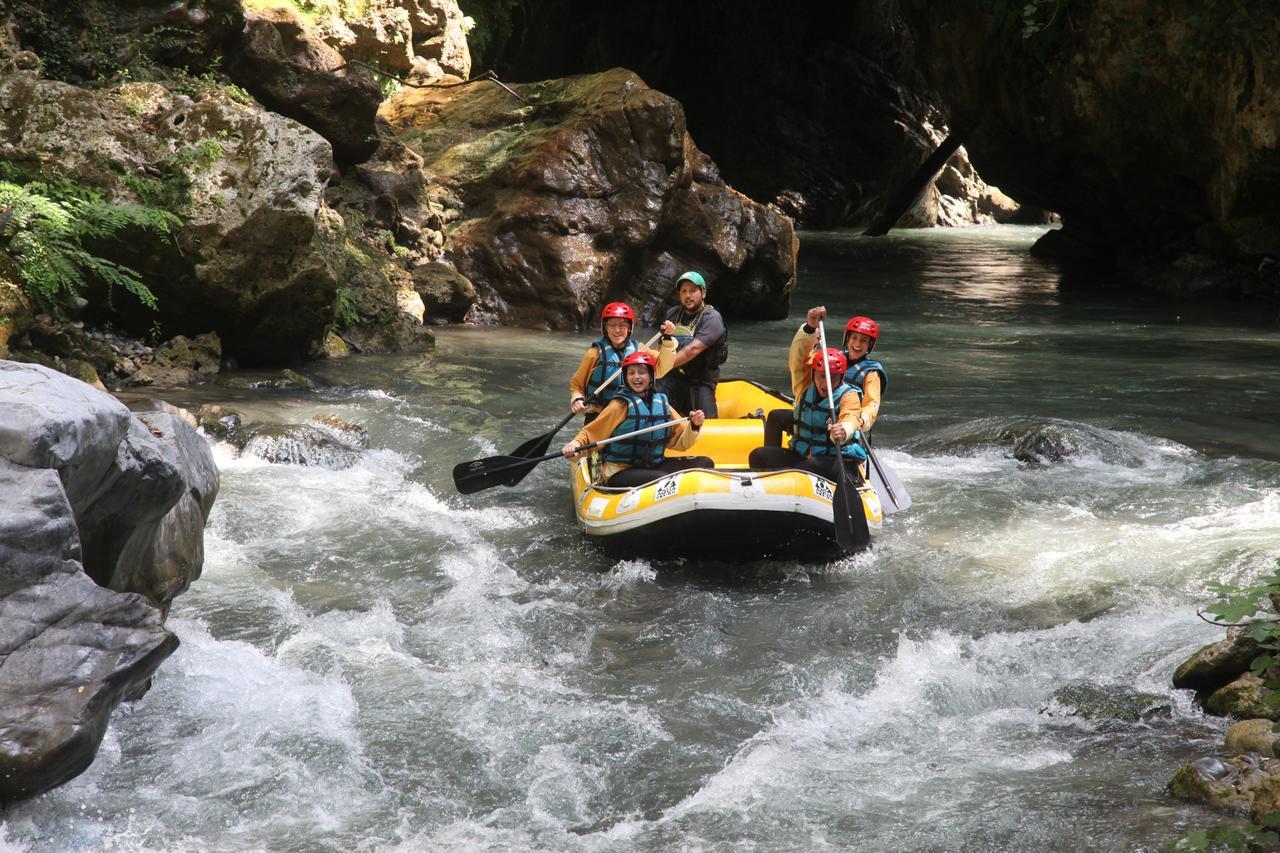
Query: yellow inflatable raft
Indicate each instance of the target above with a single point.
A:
(729, 511)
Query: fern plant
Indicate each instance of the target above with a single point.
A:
(45, 228)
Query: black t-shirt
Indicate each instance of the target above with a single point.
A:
(704, 325)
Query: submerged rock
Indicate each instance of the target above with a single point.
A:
(103, 524)
(322, 442)
(1107, 704)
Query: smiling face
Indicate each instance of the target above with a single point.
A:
(857, 344)
(691, 296)
(618, 330)
(638, 377)
(820, 381)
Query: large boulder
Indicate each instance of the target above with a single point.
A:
(1151, 128)
(580, 190)
(290, 69)
(251, 260)
(90, 493)
(1218, 663)
(69, 649)
(424, 39)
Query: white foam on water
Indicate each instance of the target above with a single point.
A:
(231, 747)
(943, 712)
(628, 573)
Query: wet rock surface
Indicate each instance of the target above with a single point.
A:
(1177, 193)
(1109, 705)
(580, 190)
(103, 525)
(289, 68)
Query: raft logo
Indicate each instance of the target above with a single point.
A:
(823, 489)
(666, 489)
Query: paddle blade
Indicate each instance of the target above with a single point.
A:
(480, 474)
(849, 515)
(538, 446)
(893, 495)
(535, 446)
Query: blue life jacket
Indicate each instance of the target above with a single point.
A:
(812, 414)
(608, 360)
(858, 371)
(642, 451)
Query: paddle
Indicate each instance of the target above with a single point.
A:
(852, 532)
(538, 446)
(886, 483)
(480, 474)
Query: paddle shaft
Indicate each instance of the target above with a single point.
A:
(871, 454)
(550, 434)
(601, 443)
(845, 533)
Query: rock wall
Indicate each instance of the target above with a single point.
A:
(558, 196)
(103, 525)
(816, 107)
(1150, 127)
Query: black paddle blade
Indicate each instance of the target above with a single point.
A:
(480, 474)
(893, 495)
(535, 446)
(849, 515)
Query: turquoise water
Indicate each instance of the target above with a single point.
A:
(374, 662)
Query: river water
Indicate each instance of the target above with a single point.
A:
(373, 662)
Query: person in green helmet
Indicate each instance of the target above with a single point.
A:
(703, 345)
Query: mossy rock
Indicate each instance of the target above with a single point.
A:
(1227, 785)
(1217, 663)
(1107, 704)
(1242, 698)
(1257, 735)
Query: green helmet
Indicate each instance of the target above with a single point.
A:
(692, 276)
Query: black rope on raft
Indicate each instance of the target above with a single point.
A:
(488, 75)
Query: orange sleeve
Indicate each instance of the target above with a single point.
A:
(870, 400)
(604, 424)
(683, 435)
(850, 411)
(798, 360)
(578, 382)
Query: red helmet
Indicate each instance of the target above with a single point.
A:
(617, 309)
(866, 326)
(835, 360)
(640, 357)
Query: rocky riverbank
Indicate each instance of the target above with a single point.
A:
(103, 526)
(1244, 779)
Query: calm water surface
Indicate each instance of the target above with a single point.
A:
(373, 662)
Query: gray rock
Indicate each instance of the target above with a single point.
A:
(1109, 704)
(85, 484)
(1217, 663)
(51, 421)
(69, 649)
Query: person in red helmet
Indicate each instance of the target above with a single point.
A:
(605, 355)
(640, 459)
(819, 443)
(866, 374)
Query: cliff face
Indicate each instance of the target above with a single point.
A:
(1152, 127)
(817, 106)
